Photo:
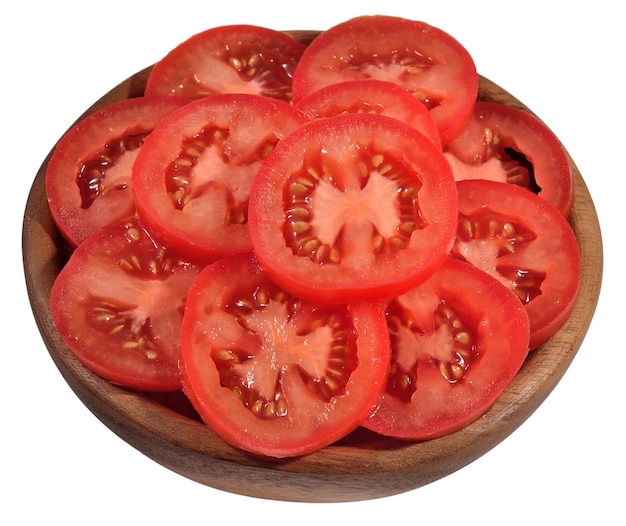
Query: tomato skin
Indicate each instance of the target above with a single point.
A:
(442, 73)
(91, 143)
(350, 211)
(483, 151)
(491, 344)
(208, 153)
(118, 304)
(541, 253)
(370, 96)
(229, 59)
(274, 342)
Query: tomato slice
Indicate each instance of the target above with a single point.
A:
(89, 173)
(370, 96)
(425, 60)
(229, 59)
(192, 179)
(507, 144)
(118, 304)
(354, 207)
(527, 244)
(272, 374)
(457, 341)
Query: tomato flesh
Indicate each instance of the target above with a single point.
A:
(457, 341)
(271, 373)
(118, 304)
(192, 178)
(507, 144)
(351, 208)
(88, 178)
(524, 242)
(425, 60)
(229, 59)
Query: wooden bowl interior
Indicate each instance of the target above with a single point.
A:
(363, 465)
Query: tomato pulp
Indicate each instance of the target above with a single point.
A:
(118, 304)
(273, 374)
(192, 178)
(88, 179)
(229, 59)
(507, 144)
(457, 341)
(353, 207)
(524, 242)
(429, 63)
(370, 96)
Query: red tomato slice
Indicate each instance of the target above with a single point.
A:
(524, 242)
(192, 179)
(229, 59)
(456, 342)
(506, 144)
(351, 208)
(118, 304)
(89, 174)
(428, 62)
(370, 96)
(273, 374)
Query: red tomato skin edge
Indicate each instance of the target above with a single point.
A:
(369, 320)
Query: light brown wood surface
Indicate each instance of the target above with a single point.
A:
(360, 467)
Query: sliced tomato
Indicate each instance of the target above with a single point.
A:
(118, 304)
(507, 144)
(351, 208)
(191, 181)
(229, 59)
(88, 176)
(425, 60)
(524, 242)
(273, 374)
(370, 96)
(456, 342)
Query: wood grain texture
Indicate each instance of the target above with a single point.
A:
(362, 466)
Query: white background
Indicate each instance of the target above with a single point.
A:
(566, 463)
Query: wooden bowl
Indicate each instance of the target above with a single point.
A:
(362, 466)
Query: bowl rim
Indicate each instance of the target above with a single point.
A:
(363, 467)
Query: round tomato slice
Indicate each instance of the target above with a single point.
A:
(425, 60)
(192, 178)
(507, 144)
(229, 59)
(88, 176)
(118, 304)
(457, 341)
(272, 374)
(370, 96)
(354, 207)
(527, 244)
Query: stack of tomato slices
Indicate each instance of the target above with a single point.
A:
(319, 238)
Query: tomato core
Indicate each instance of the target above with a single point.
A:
(445, 342)
(485, 236)
(321, 207)
(101, 172)
(318, 348)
